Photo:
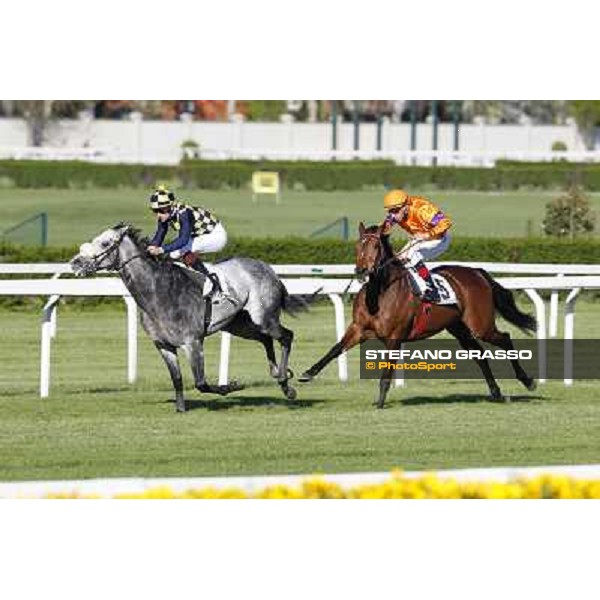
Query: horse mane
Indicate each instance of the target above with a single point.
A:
(164, 264)
(134, 233)
(380, 280)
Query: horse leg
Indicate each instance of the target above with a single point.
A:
(481, 321)
(466, 339)
(195, 354)
(271, 329)
(169, 354)
(269, 347)
(504, 341)
(243, 326)
(386, 377)
(352, 336)
(285, 338)
(246, 328)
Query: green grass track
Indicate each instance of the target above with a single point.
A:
(94, 424)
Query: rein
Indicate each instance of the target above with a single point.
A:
(381, 264)
(112, 248)
(129, 260)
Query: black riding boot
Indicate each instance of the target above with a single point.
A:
(198, 265)
(431, 294)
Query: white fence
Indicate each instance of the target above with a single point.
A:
(137, 140)
(306, 279)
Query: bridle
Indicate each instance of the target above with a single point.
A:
(378, 264)
(97, 257)
(126, 262)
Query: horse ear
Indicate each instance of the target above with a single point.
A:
(361, 228)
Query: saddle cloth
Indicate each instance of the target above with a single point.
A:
(447, 295)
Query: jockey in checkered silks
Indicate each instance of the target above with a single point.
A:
(199, 231)
(428, 228)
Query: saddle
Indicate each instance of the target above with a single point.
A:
(212, 283)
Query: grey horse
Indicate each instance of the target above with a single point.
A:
(176, 313)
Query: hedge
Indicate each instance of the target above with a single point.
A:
(297, 250)
(309, 175)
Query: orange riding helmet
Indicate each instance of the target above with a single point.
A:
(394, 198)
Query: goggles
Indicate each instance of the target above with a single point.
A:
(163, 210)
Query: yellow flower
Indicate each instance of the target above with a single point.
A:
(397, 486)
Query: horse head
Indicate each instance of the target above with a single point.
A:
(102, 253)
(371, 248)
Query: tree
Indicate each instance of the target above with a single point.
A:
(266, 110)
(39, 114)
(587, 117)
(513, 111)
(569, 215)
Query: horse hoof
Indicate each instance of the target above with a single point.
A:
(305, 378)
(531, 385)
(233, 386)
(291, 393)
(497, 398)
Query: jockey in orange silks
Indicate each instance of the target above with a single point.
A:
(428, 228)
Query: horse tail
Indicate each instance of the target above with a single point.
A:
(298, 302)
(504, 301)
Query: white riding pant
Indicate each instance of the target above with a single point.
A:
(416, 251)
(214, 241)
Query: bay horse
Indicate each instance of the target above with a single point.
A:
(387, 308)
(176, 314)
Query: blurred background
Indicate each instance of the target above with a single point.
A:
(502, 169)
(160, 131)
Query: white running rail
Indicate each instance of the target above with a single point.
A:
(569, 278)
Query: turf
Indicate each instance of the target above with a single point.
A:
(96, 425)
(77, 215)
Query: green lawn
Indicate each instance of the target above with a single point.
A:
(95, 424)
(76, 215)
